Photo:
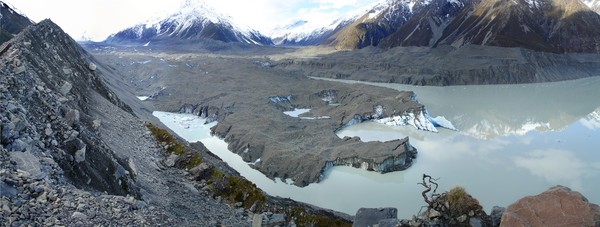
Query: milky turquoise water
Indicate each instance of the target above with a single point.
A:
(513, 141)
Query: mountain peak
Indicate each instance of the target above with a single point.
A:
(193, 20)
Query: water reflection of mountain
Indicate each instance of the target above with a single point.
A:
(592, 121)
(489, 111)
(542, 118)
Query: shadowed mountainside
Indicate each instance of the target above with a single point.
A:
(11, 22)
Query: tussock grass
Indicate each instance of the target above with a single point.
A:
(163, 137)
(461, 202)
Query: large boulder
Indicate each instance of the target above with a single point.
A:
(372, 216)
(558, 206)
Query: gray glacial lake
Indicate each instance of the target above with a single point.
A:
(513, 141)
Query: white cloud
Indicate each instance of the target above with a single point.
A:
(100, 18)
(556, 166)
(336, 4)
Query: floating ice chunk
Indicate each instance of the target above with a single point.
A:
(278, 99)
(441, 121)
(315, 118)
(254, 163)
(296, 112)
(419, 121)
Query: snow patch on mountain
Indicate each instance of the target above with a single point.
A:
(303, 30)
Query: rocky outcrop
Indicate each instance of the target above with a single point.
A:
(557, 206)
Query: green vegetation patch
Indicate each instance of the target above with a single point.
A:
(236, 189)
(460, 202)
(302, 218)
(194, 161)
(163, 137)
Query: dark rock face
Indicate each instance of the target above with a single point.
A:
(425, 24)
(45, 117)
(496, 215)
(11, 22)
(368, 30)
(558, 206)
(544, 25)
(372, 216)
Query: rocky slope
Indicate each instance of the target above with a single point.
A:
(372, 27)
(48, 98)
(542, 25)
(72, 153)
(11, 22)
(193, 21)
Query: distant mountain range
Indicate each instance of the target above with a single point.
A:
(543, 25)
(11, 22)
(193, 21)
(558, 26)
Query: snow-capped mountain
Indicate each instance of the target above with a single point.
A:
(194, 20)
(363, 27)
(302, 33)
(305, 32)
(11, 22)
(593, 4)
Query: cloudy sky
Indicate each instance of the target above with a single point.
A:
(96, 19)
